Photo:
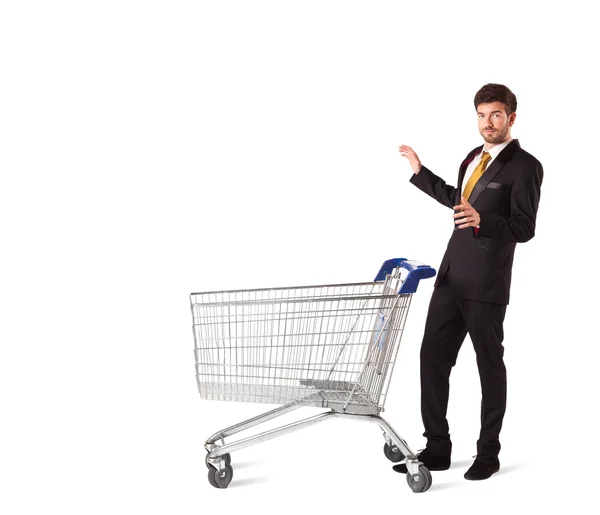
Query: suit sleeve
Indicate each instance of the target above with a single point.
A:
(434, 186)
(519, 226)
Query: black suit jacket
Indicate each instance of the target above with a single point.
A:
(478, 264)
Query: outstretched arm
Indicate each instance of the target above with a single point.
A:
(427, 181)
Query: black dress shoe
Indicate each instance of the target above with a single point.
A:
(431, 461)
(483, 467)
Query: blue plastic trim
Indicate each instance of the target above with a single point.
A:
(387, 267)
(416, 272)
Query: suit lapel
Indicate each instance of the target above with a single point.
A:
(502, 158)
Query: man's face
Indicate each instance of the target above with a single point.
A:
(494, 123)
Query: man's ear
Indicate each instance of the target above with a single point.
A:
(511, 119)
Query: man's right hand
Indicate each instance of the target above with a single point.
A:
(412, 157)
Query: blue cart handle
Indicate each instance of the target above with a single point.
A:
(416, 272)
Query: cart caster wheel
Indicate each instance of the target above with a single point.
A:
(220, 479)
(393, 453)
(226, 457)
(421, 481)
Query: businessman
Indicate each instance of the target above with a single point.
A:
(494, 207)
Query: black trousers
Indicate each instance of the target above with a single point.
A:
(448, 320)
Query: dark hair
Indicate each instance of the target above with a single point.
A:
(497, 93)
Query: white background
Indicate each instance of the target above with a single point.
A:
(151, 149)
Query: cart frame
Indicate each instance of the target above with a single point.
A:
(327, 346)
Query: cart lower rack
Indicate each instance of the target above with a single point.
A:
(328, 346)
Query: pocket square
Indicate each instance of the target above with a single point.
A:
(498, 186)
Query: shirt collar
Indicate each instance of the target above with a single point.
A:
(495, 150)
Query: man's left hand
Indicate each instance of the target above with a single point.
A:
(467, 216)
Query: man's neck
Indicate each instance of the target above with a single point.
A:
(488, 146)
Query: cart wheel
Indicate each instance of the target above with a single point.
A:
(421, 481)
(393, 453)
(220, 479)
(226, 457)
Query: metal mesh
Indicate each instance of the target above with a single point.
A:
(321, 344)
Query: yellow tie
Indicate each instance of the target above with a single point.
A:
(477, 173)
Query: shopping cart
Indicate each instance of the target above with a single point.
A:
(330, 346)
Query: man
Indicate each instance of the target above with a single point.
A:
(495, 206)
